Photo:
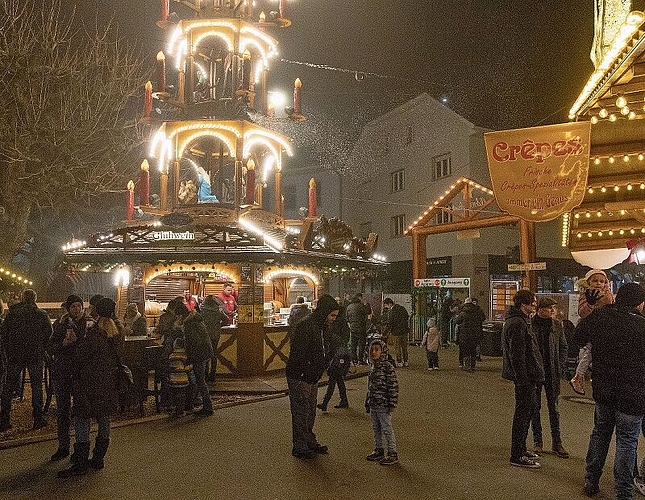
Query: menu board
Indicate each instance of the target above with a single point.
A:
(501, 298)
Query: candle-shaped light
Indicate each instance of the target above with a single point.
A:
(161, 71)
(246, 70)
(144, 183)
(129, 211)
(263, 17)
(283, 7)
(312, 198)
(147, 103)
(296, 96)
(250, 182)
(165, 9)
(270, 109)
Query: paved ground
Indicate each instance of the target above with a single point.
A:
(453, 431)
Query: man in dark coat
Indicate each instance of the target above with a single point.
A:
(617, 336)
(470, 321)
(214, 318)
(553, 348)
(68, 330)
(397, 323)
(522, 363)
(304, 368)
(25, 333)
(356, 313)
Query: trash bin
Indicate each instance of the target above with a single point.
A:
(492, 338)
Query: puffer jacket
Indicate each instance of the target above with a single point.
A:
(382, 385)
(522, 361)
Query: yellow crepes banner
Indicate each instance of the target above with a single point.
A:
(539, 173)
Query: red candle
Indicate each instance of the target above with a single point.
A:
(161, 71)
(312, 198)
(144, 184)
(165, 9)
(296, 96)
(283, 5)
(250, 182)
(129, 212)
(147, 104)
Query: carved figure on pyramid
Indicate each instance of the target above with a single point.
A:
(204, 194)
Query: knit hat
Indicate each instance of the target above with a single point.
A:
(71, 299)
(595, 271)
(468, 300)
(630, 295)
(105, 307)
(544, 302)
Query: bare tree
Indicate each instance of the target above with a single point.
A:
(68, 117)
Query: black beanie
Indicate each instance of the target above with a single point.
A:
(71, 299)
(105, 307)
(630, 295)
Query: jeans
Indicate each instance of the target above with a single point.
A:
(63, 394)
(82, 428)
(433, 359)
(554, 414)
(35, 369)
(331, 385)
(628, 427)
(199, 369)
(302, 402)
(384, 437)
(525, 396)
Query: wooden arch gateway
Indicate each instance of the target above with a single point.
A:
(462, 207)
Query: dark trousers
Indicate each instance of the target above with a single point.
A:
(331, 385)
(63, 394)
(35, 370)
(433, 359)
(302, 402)
(554, 414)
(525, 396)
(199, 369)
(468, 350)
(357, 346)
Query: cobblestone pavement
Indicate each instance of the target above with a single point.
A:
(453, 433)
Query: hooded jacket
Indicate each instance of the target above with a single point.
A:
(382, 385)
(522, 362)
(470, 321)
(307, 356)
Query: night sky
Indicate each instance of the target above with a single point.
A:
(501, 64)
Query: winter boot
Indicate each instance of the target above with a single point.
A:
(391, 459)
(376, 455)
(558, 449)
(82, 464)
(100, 449)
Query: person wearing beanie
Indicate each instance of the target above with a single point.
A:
(305, 366)
(430, 342)
(617, 336)
(96, 362)
(94, 299)
(594, 294)
(25, 331)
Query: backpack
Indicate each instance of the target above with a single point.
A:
(340, 362)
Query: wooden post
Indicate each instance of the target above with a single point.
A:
(163, 190)
(278, 193)
(528, 253)
(418, 255)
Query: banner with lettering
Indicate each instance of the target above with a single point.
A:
(539, 173)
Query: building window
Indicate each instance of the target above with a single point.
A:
(397, 181)
(397, 225)
(290, 198)
(410, 136)
(442, 167)
(443, 217)
(365, 229)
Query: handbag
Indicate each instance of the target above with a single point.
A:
(125, 386)
(340, 363)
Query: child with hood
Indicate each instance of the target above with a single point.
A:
(594, 294)
(430, 341)
(382, 398)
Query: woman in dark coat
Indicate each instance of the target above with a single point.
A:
(214, 318)
(200, 350)
(95, 388)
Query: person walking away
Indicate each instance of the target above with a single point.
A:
(214, 319)
(398, 326)
(199, 350)
(594, 294)
(553, 348)
(522, 363)
(337, 360)
(617, 336)
(382, 398)
(67, 331)
(305, 366)
(25, 331)
(430, 342)
(357, 318)
(445, 315)
(470, 321)
(299, 310)
(95, 371)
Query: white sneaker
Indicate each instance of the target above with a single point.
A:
(429, 369)
(399, 365)
(639, 484)
(405, 363)
(436, 367)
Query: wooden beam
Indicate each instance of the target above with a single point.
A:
(497, 220)
(419, 252)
